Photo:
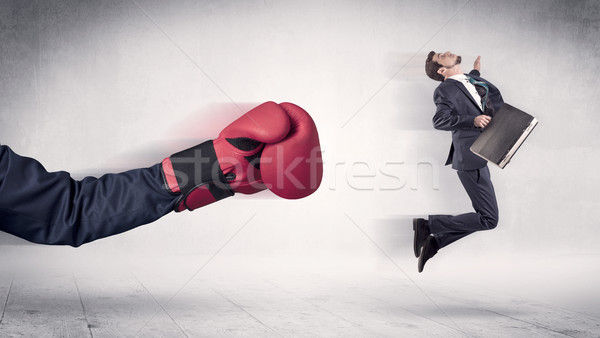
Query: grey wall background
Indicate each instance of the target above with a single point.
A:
(97, 86)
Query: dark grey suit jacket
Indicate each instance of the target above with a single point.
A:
(456, 111)
(53, 208)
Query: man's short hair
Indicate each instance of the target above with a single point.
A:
(431, 68)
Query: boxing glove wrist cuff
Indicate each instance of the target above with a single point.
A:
(195, 174)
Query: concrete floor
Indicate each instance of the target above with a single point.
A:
(66, 293)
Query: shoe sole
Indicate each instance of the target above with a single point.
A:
(424, 258)
(415, 248)
(421, 263)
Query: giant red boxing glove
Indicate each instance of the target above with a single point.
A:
(232, 163)
(292, 168)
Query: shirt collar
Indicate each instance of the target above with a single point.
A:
(459, 77)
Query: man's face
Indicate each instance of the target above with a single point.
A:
(447, 59)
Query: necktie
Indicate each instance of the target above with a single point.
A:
(483, 91)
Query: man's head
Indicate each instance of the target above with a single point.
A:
(440, 66)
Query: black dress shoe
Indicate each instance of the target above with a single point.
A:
(421, 228)
(428, 250)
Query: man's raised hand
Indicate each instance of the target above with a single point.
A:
(477, 64)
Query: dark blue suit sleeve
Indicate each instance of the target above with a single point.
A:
(53, 208)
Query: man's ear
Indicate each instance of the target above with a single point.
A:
(441, 70)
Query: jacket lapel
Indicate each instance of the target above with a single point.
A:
(466, 92)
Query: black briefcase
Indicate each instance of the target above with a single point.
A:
(501, 139)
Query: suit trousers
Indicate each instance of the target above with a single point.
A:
(52, 208)
(447, 229)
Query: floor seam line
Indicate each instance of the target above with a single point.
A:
(6, 301)
(246, 311)
(89, 327)
(161, 306)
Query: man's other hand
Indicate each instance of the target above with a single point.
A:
(482, 121)
(477, 64)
